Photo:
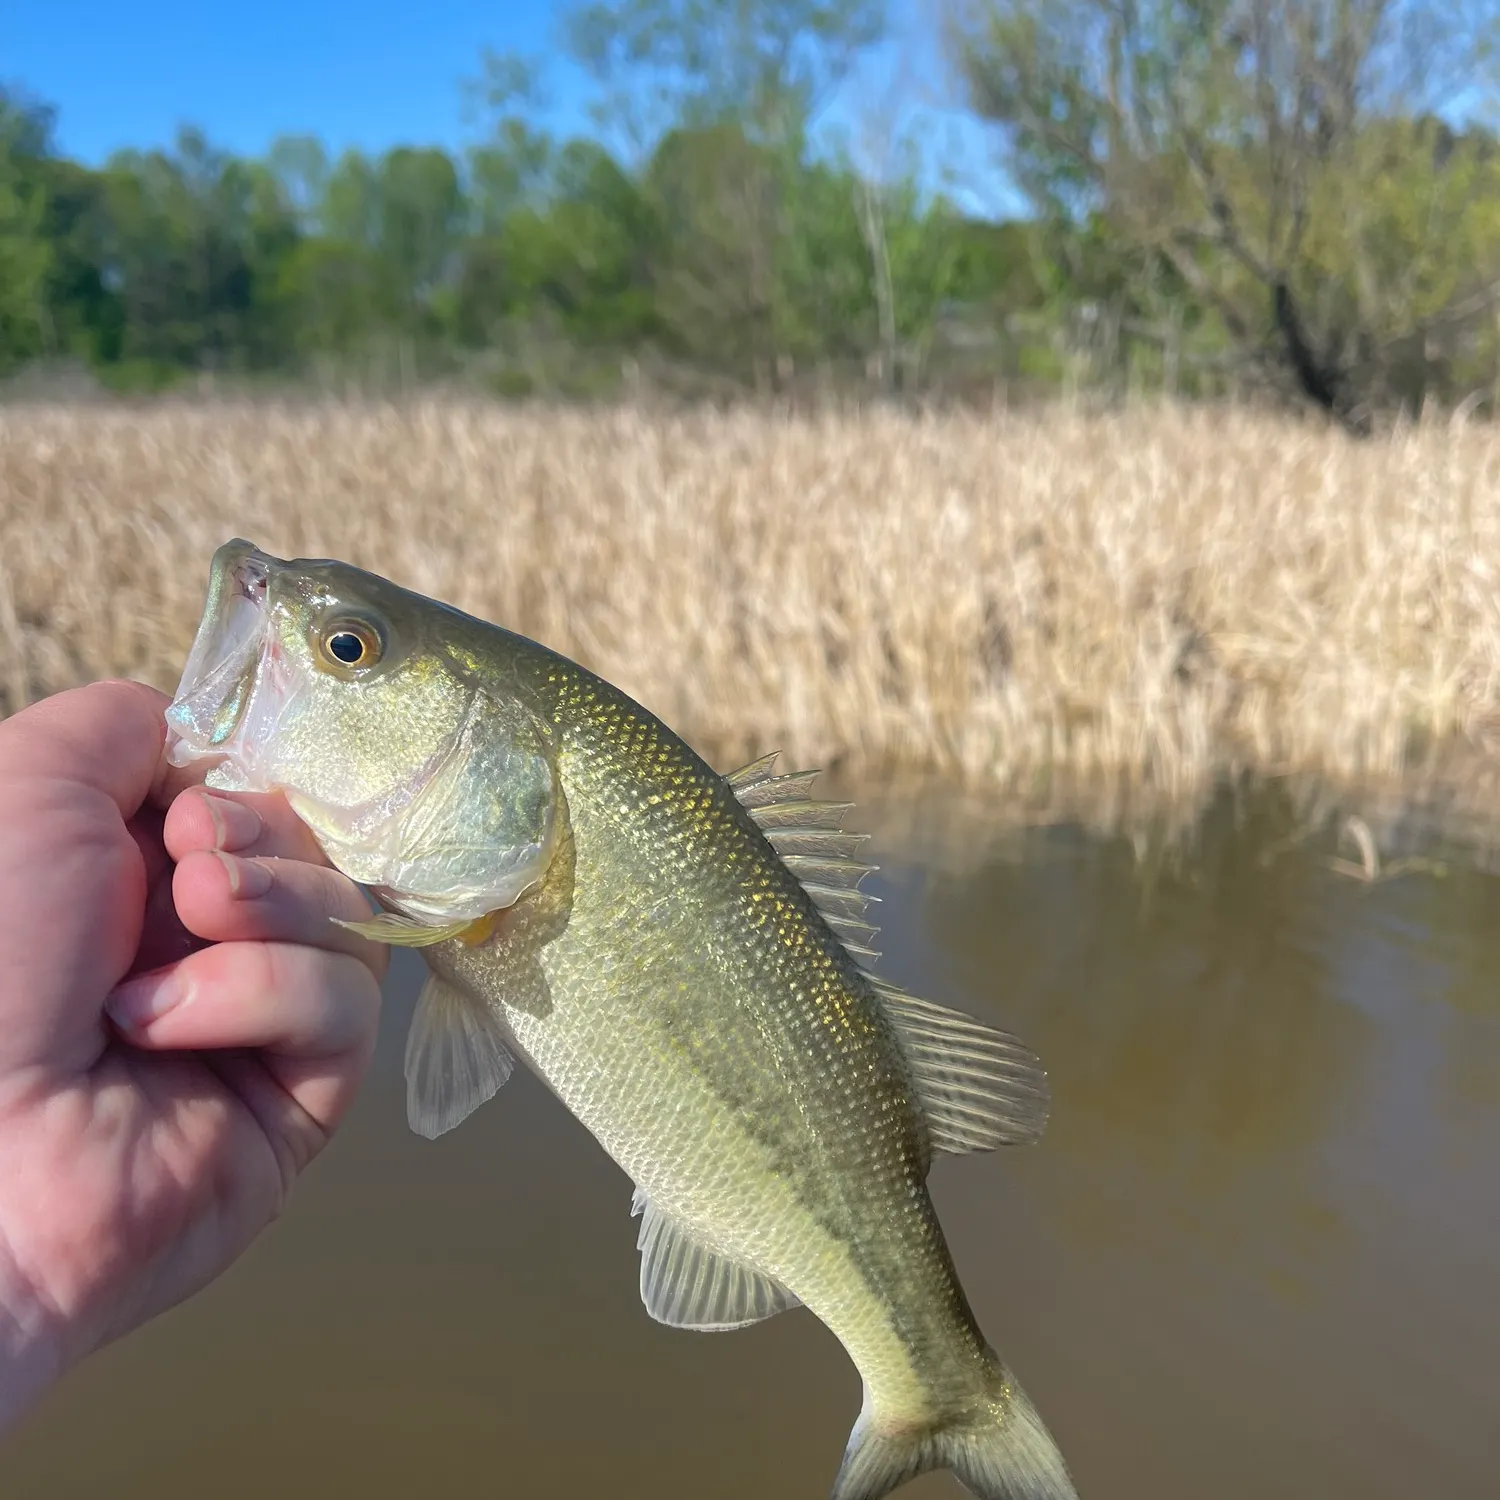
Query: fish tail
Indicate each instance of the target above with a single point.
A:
(998, 1447)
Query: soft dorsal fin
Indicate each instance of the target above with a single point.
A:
(978, 1087)
(810, 839)
(686, 1285)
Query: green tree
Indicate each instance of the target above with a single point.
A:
(87, 316)
(299, 166)
(384, 263)
(826, 311)
(1283, 157)
(350, 208)
(328, 293)
(512, 168)
(26, 253)
(719, 196)
(563, 276)
(421, 208)
(191, 243)
(538, 263)
(724, 92)
(767, 65)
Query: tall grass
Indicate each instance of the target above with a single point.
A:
(1159, 594)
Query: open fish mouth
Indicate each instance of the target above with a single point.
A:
(235, 684)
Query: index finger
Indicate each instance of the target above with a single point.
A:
(107, 735)
(172, 781)
(204, 819)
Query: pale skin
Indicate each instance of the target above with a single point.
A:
(182, 1027)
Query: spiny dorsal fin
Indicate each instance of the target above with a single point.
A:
(686, 1285)
(810, 839)
(757, 770)
(978, 1087)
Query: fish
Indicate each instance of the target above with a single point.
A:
(683, 957)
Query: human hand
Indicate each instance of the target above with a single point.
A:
(181, 1025)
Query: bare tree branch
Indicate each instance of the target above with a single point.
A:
(1278, 154)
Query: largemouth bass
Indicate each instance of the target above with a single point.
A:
(683, 957)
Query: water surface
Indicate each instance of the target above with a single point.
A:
(1254, 1255)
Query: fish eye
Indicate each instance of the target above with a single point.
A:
(351, 643)
(347, 646)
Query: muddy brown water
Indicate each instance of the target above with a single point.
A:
(1254, 1256)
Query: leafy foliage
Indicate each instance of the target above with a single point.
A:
(1287, 161)
(1217, 187)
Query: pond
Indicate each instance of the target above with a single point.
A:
(1255, 1253)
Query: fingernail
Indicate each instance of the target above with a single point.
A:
(248, 878)
(235, 825)
(146, 998)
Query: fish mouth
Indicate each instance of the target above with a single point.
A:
(234, 683)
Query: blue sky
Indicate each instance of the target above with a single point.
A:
(365, 73)
(356, 72)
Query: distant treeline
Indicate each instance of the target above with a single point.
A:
(545, 265)
(1266, 209)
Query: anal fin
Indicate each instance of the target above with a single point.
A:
(456, 1058)
(686, 1285)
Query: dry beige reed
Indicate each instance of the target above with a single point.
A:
(1161, 594)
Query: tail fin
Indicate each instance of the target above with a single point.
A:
(999, 1449)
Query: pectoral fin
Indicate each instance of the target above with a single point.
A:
(456, 1058)
(686, 1285)
(405, 932)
